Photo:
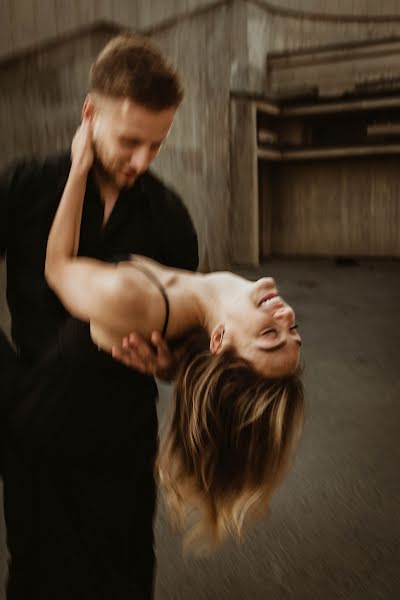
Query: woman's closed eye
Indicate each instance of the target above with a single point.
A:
(269, 333)
(273, 332)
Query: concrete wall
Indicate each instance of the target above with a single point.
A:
(342, 207)
(336, 70)
(219, 50)
(42, 95)
(268, 30)
(44, 89)
(24, 23)
(274, 29)
(219, 47)
(344, 8)
(195, 159)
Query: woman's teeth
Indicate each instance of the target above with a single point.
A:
(272, 300)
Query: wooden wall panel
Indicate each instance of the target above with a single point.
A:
(335, 208)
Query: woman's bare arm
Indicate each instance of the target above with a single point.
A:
(63, 241)
(89, 289)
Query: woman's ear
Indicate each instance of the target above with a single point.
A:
(217, 337)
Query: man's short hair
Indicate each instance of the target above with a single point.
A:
(131, 67)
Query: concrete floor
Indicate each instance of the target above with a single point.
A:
(334, 531)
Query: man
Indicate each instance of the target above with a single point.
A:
(84, 530)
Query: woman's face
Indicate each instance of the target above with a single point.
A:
(261, 326)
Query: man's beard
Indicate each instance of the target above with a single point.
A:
(100, 168)
(105, 172)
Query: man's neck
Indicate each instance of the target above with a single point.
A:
(109, 193)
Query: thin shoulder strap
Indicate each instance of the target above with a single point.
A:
(157, 283)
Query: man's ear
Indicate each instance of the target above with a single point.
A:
(217, 338)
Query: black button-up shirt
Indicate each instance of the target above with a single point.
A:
(147, 219)
(78, 447)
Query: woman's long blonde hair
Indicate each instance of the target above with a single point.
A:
(229, 443)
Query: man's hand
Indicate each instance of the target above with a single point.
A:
(155, 358)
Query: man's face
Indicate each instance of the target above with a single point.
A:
(127, 137)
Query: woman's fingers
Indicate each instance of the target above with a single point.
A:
(82, 146)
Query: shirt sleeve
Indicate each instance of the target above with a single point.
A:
(180, 238)
(11, 180)
(10, 371)
(6, 185)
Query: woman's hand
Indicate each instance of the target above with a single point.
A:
(82, 148)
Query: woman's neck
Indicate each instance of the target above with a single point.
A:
(212, 293)
(197, 299)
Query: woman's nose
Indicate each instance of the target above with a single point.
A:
(268, 281)
(284, 313)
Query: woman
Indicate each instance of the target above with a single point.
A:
(238, 399)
